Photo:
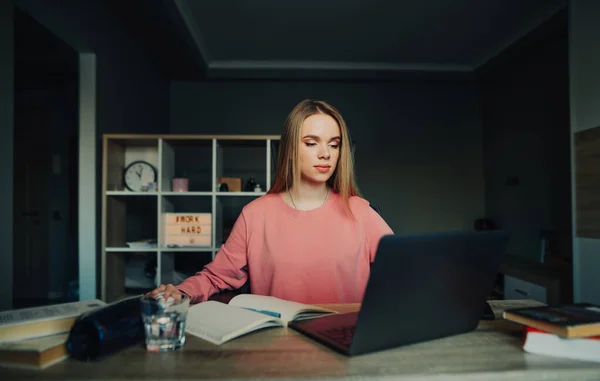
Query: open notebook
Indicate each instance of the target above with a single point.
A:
(217, 322)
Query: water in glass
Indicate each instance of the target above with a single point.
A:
(164, 322)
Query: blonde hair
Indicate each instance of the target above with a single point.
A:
(288, 168)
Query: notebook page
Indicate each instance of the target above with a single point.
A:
(51, 312)
(286, 308)
(217, 322)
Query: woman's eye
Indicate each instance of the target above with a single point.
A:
(309, 144)
(334, 146)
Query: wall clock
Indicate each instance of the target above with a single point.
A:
(138, 175)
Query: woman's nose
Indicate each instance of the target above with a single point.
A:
(324, 153)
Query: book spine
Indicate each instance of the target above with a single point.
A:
(529, 329)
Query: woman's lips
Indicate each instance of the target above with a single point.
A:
(323, 168)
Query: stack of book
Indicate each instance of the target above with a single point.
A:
(36, 337)
(568, 331)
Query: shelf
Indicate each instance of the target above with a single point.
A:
(129, 216)
(119, 153)
(246, 194)
(187, 249)
(155, 249)
(183, 194)
(127, 193)
(243, 159)
(132, 219)
(191, 159)
(131, 250)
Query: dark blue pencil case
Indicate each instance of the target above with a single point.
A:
(100, 333)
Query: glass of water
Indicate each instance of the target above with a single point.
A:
(164, 321)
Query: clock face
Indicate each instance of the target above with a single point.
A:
(138, 175)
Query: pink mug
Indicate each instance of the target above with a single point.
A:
(180, 185)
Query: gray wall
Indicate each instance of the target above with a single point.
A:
(132, 94)
(584, 67)
(526, 135)
(6, 152)
(418, 152)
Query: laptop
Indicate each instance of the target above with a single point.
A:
(422, 287)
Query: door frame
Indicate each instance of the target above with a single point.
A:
(87, 202)
(88, 147)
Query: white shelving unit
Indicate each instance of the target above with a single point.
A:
(203, 159)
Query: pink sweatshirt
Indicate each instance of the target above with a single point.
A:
(315, 256)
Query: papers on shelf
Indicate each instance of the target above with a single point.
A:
(143, 244)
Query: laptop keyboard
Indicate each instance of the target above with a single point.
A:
(341, 335)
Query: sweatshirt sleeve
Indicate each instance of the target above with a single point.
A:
(226, 271)
(375, 227)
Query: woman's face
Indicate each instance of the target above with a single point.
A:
(319, 148)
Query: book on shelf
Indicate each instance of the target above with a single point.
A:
(37, 353)
(218, 322)
(545, 343)
(569, 320)
(27, 323)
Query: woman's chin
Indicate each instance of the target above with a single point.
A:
(317, 179)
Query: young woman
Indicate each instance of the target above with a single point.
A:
(311, 239)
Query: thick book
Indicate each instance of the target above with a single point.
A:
(41, 321)
(571, 320)
(218, 322)
(548, 344)
(38, 353)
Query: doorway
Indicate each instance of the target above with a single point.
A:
(45, 220)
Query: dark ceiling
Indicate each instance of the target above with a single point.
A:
(329, 39)
(39, 54)
(156, 26)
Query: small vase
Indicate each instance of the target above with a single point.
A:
(180, 184)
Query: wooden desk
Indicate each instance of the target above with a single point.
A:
(492, 352)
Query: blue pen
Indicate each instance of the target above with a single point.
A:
(270, 313)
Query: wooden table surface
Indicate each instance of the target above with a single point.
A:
(492, 352)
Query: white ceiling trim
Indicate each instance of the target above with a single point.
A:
(334, 66)
(224, 66)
